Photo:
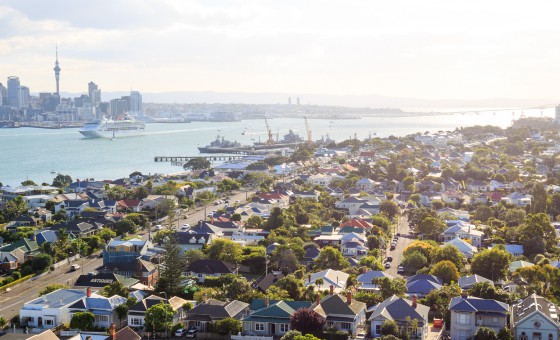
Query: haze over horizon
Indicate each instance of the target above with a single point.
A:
(330, 53)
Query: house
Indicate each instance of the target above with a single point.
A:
(467, 249)
(368, 280)
(22, 249)
(137, 312)
(311, 254)
(513, 266)
(519, 199)
(422, 284)
(535, 318)
(470, 313)
(350, 203)
(124, 251)
(466, 282)
(78, 228)
(211, 310)
(333, 279)
(263, 283)
(513, 249)
(271, 318)
(140, 269)
(103, 308)
(203, 268)
(400, 311)
(365, 184)
(461, 215)
(477, 186)
(50, 310)
(353, 247)
(128, 205)
(345, 314)
(462, 230)
(100, 280)
(42, 236)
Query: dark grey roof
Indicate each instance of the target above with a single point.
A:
(467, 282)
(142, 306)
(215, 310)
(533, 304)
(268, 281)
(474, 304)
(336, 304)
(398, 309)
(211, 267)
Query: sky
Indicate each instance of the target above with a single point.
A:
(418, 49)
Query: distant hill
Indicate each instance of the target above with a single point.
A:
(322, 99)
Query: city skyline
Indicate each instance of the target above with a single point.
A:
(430, 50)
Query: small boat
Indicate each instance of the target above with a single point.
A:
(53, 172)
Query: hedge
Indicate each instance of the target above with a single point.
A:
(11, 284)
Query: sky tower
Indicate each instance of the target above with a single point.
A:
(57, 73)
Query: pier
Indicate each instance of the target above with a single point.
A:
(184, 159)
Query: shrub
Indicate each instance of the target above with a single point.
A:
(16, 275)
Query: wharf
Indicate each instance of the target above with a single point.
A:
(184, 159)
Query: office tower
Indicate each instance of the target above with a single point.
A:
(297, 100)
(94, 93)
(3, 94)
(24, 96)
(135, 103)
(57, 74)
(13, 91)
(118, 107)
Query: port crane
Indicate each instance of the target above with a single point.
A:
(308, 129)
(270, 140)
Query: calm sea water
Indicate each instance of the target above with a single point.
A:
(28, 153)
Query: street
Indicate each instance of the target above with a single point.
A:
(404, 240)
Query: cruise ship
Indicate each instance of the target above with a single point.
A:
(106, 128)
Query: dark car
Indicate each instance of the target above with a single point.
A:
(191, 333)
(389, 259)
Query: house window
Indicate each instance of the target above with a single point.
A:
(523, 336)
(259, 326)
(345, 325)
(537, 336)
(284, 327)
(49, 322)
(136, 322)
(463, 319)
(494, 319)
(550, 337)
(377, 329)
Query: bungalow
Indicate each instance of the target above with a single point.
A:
(137, 313)
(477, 186)
(467, 249)
(368, 280)
(50, 310)
(263, 283)
(350, 203)
(103, 308)
(422, 284)
(463, 230)
(453, 197)
(401, 311)
(340, 313)
(513, 249)
(210, 311)
(535, 318)
(466, 282)
(335, 280)
(519, 199)
(271, 318)
(365, 184)
(203, 268)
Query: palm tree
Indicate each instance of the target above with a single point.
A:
(318, 283)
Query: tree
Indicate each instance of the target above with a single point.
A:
(389, 327)
(537, 234)
(285, 259)
(41, 262)
(485, 290)
(423, 247)
(172, 268)
(307, 321)
(484, 333)
(193, 255)
(290, 335)
(414, 260)
(28, 182)
(51, 288)
(197, 163)
(449, 253)
(389, 209)
(61, 181)
(82, 321)
(491, 263)
(235, 217)
(292, 285)
(505, 334)
(106, 234)
(114, 288)
(227, 326)
(446, 271)
(389, 287)
(538, 199)
(482, 213)
(255, 221)
(331, 258)
(3, 323)
(122, 312)
(431, 226)
(159, 316)
(125, 226)
(225, 250)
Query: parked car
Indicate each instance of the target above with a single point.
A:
(185, 226)
(191, 333)
(400, 269)
(387, 265)
(181, 332)
(389, 259)
(159, 227)
(392, 247)
(398, 234)
(74, 267)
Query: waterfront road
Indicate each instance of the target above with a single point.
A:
(13, 300)
(404, 240)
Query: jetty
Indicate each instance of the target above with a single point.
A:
(184, 159)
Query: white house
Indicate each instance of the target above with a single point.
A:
(50, 310)
(535, 318)
(336, 278)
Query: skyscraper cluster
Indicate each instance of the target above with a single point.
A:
(17, 103)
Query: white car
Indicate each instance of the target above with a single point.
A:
(159, 227)
(181, 332)
(185, 226)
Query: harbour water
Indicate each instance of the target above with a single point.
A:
(29, 153)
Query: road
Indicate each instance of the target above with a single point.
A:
(404, 240)
(12, 301)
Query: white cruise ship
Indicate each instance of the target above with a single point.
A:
(106, 128)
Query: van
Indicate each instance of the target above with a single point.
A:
(74, 267)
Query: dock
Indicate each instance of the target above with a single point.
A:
(184, 159)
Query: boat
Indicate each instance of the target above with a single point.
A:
(290, 139)
(219, 145)
(108, 128)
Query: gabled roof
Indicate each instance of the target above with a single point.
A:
(25, 245)
(398, 309)
(534, 304)
(469, 281)
(475, 304)
(336, 304)
(142, 306)
(368, 276)
(267, 281)
(426, 277)
(215, 309)
(211, 267)
(422, 287)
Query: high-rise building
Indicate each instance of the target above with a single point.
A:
(57, 74)
(289, 100)
(118, 107)
(13, 91)
(3, 94)
(135, 103)
(24, 96)
(94, 93)
(297, 100)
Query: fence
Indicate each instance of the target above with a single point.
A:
(66, 261)
(251, 337)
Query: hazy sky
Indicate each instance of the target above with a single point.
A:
(421, 49)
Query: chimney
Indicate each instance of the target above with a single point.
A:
(266, 301)
(318, 299)
(414, 301)
(332, 289)
(464, 294)
(309, 278)
(113, 331)
(88, 292)
(349, 298)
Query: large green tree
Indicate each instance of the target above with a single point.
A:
(491, 263)
(446, 271)
(537, 234)
(173, 263)
(82, 321)
(197, 163)
(227, 326)
(538, 199)
(225, 250)
(160, 317)
(331, 258)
